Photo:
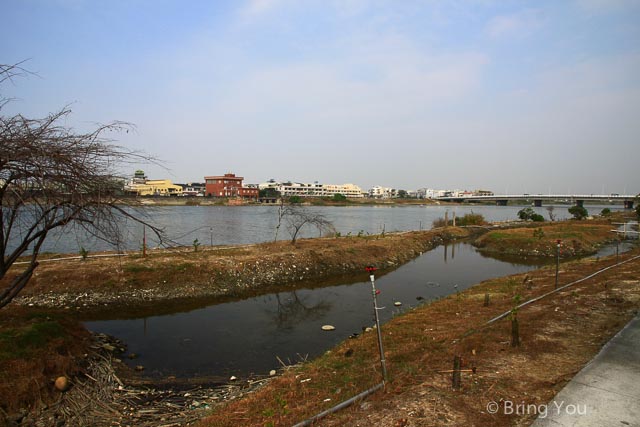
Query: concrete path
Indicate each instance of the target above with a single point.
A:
(606, 392)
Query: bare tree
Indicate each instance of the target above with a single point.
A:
(281, 213)
(552, 215)
(298, 217)
(52, 177)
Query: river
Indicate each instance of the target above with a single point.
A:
(233, 225)
(248, 336)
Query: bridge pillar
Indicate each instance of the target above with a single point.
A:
(502, 202)
(628, 204)
(580, 203)
(537, 203)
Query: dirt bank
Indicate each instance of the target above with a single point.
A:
(559, 335)
(45, 342)
(540, 240)
(218, 272)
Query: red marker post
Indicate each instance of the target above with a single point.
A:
(559, 242)
(374, 293)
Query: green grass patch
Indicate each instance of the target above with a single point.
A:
(19, 342)
(136, 268)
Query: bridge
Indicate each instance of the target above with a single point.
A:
(577, 199)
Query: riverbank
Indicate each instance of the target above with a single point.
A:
(540, 240)
(307, 201)
(558, 335)
(40, 327)
(42, 330)
(136, 282)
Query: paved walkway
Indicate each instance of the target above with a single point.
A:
(606, 392)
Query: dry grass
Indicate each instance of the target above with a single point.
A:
(559, 335)
(218, 270)
(578, 238)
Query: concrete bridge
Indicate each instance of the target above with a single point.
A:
(577, 199)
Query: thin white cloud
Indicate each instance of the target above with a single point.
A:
(518, 24)
(397, 81)
(256, 8)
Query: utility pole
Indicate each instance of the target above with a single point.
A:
(375, 293)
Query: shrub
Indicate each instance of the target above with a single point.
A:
(339, 197)
(528, 214)
(463, 221)
(537, 218)
(471, 219)
(605, 212)
(295, 200)
(578, 212)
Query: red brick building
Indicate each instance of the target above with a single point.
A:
(228, 185)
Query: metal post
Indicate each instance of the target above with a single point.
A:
(557, 261)
(374, 293)
(211, 232)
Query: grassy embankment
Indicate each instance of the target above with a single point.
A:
(540, 239)
(47, 342)
(221, 271)
(558, 336)
(44, 341)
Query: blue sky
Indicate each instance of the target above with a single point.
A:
(511, 96)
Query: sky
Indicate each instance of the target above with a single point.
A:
(508, 96)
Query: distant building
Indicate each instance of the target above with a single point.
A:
(139, 185)
(288, 189)
(193, 189)
(378, 192)
(228, 185)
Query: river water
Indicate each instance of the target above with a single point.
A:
(232, 225)
(246, 337)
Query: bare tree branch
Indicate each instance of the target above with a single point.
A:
(52, 177)
(298, 217)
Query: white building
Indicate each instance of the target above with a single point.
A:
(378, 192)
(288, 189)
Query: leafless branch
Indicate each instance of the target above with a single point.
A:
(52, 177)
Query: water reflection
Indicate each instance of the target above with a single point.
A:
(248, 336)
(291, 308)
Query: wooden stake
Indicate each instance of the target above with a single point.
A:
(515, 332)
(456, 377)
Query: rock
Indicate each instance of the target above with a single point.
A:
(139, 368)
(272, 372)
(62, 383)
(233, 378)
(328, 328)
(397, 303)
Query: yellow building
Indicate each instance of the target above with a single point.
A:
(153, 187)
